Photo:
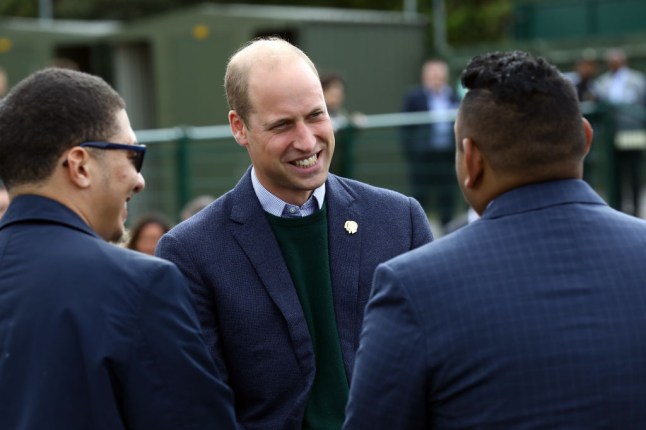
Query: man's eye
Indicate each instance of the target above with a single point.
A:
(280, 126)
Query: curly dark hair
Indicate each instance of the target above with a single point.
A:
(521, 112)
(47, 113)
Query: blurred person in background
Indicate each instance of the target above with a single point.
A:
(345, 125)
(625, 89)
(584, 75)
(92, 335)
(428, 148)
(147, 231)
(195, 205)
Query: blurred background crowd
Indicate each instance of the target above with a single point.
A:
(389, 70)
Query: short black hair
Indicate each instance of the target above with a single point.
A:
(521, 112)
(47, 113)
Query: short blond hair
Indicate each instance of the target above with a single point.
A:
(265, 51)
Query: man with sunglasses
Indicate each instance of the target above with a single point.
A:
(91, 335)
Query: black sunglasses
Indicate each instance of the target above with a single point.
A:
(139, 150)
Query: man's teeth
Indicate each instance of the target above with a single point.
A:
(308, 162)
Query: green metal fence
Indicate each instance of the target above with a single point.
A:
(185, 162)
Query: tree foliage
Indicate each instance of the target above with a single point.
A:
(476, 21)
(468, 21)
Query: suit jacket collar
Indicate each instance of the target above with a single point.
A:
(252, 231)
(345, 263)
(540, 195)
(30, 207)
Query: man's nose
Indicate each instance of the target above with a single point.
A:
(141, 183)
(304, 138)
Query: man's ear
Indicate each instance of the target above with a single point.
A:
(473, 163)
(77, 167)
(589, 134)
(238, 128)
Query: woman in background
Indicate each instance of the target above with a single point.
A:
(147, 231)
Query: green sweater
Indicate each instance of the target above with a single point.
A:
(304, 244)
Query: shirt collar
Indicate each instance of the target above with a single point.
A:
(275, 206)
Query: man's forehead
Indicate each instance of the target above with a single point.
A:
(262, 80)
(124, 132)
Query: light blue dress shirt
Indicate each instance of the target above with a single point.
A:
(275, 206)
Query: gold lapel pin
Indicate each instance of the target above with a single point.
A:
(351, 227)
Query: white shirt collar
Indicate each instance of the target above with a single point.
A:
(275, 206)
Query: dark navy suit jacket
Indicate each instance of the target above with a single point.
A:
(417, 138)
(533, 317)
(93, 336)
(247, 302)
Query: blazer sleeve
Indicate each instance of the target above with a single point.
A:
(422, 232)
(388, 389)
(171, 381)
(171, 249)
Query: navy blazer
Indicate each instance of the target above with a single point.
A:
(532, 317)
(247, 302)
(93, 336)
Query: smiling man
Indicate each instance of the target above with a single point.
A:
(91, 335)
(281, 266)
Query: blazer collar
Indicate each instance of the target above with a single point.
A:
(245, 203)
(540, 195)
(256, 237)
(253, 233)
(31, 207)
(345, 262)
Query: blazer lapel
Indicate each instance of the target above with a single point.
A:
(345, 251)
(542, 194)
(253, 233)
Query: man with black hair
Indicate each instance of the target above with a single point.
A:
(531, 316)
(92, 336)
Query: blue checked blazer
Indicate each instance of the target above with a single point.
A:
(247, 303)
(533, 317)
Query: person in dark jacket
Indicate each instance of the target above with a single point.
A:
(428, 146)
(92, 335)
